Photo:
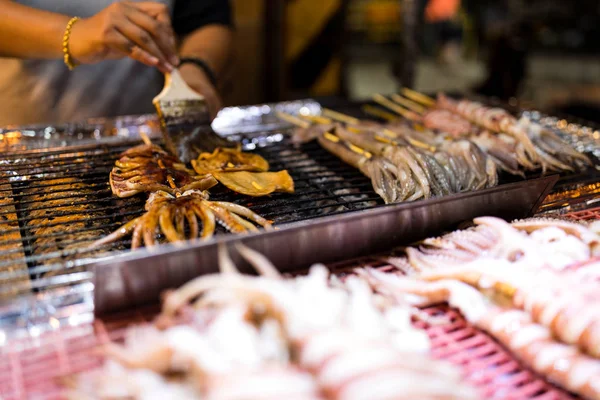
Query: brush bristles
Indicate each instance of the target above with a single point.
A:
(174, 112)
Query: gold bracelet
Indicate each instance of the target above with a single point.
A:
(67, 54)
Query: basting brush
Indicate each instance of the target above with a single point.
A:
(185, 120)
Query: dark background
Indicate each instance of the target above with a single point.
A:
(542, 54)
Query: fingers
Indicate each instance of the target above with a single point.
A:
(138, 34)
(157, 23)
(214, 105)
(122, 43)
(142, 39)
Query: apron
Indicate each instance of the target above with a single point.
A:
(45, 91)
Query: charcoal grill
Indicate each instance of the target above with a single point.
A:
(55, 201)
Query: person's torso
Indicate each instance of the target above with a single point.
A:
(35, 91)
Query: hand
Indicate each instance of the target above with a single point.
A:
(199, 82)
(141, 31)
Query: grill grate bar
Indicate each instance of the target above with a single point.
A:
(113, 216)
(101, 177)
(74, 203)
(65, 214)
(122, 145)
(106, 191)
(84, 158)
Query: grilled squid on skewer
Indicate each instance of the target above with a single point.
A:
(383, 174)
(188, 216)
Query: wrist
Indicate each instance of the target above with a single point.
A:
(201, 66)
(67, 55)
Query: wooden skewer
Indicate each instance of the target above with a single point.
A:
(378, 112)
(338, 116)
(411, 105)
(379, 99)
(316, 119)
(418, 97)
(145, 138)
(293, 120)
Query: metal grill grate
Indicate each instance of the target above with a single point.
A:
(33, 368)
(54, 204)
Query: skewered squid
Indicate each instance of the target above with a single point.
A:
(148, 168)
(385, 176)
(177, 218)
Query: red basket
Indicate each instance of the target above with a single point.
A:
(591, 214)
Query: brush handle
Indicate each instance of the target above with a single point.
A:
(176, 89)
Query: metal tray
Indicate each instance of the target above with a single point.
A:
(138, 278)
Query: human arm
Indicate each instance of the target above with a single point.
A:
(139, 30)
(205, 33)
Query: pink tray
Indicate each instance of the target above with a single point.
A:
(591, 214)
(32, 368)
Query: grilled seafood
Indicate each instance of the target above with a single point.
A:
(176, 217)
(561, 364)
(535, 147)
(494, 119)
(385, 177)
(502, 149)
(243, 173)
(421, 163)
(448, 122)
(148, 168)
(555, 153)
(229, 160)
(256, 183)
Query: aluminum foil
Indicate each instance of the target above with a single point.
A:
(584, 138)
(230, 120)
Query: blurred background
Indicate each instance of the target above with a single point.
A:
(541, 53)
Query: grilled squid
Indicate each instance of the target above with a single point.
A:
(187, 216)
(148, 168)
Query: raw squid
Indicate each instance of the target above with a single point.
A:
(561, 364)
(266, 337)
